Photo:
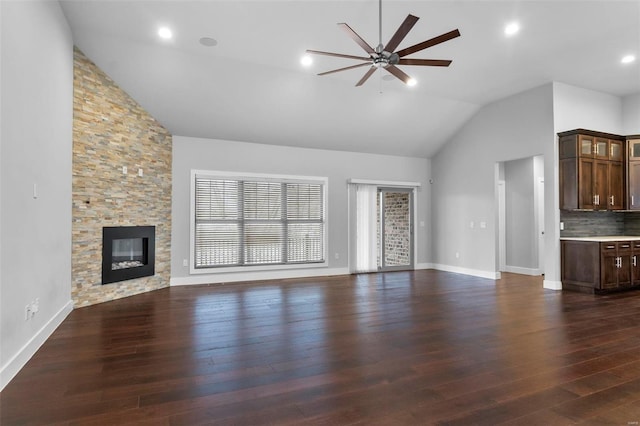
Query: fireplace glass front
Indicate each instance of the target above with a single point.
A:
(127, 253)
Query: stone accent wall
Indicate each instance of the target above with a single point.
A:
(110, 130)
(397, 232)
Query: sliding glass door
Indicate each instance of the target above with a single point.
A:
(384, 229)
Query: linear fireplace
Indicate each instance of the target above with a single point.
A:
(127, 252)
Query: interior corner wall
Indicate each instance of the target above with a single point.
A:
(464, 188)
(112, 131)
(631, 114)
(338, 166)
(36, 132)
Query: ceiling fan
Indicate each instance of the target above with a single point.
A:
(384, 56)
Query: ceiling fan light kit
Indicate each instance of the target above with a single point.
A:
(385, 56)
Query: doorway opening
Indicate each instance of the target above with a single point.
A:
(520, 205)
(384, 237)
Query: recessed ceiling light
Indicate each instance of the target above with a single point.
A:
(165, 33)
(306, 60)
(511, 29)
(628, 59)
(208, 41)
(411, 82)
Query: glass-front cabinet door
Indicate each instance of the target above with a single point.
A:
(634, 149)
(586, 146)
(601, 148)
(615, 150)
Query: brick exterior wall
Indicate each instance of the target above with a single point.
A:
(110, 130)
(397, 232)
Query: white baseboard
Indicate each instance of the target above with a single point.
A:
(552, 285)
(15, 364)
(424, 266)
(492, 275)
(522, 271)
(256, 276)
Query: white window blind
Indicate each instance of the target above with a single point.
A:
(243, 222)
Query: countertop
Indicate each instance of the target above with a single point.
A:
(602, 239)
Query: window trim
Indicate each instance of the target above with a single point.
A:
(261, 177)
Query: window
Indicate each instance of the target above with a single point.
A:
(257, 220)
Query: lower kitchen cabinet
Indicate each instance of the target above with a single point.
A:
(600, 266)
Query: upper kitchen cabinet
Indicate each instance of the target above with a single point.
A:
(592, 170)
(633, 172)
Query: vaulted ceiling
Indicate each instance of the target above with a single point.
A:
(252, 87)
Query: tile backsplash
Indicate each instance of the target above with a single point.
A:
(595, 223)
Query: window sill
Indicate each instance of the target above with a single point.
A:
(255, 268)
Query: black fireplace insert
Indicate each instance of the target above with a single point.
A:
(127, 252)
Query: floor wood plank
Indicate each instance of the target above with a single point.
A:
(422, 347)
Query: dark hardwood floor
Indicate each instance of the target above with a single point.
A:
(413, 348)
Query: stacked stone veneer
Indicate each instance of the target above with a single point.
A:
(110, 130)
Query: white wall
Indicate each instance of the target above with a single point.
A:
(36, 116)
(578, 108)
(464, 188)
(631, 114)
(338, 166)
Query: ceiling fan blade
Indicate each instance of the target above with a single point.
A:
(431, 42)
(427, 62)
(398, 73)
(401, 33)
(339, 55)
(347, 29)
(366, 76)
(345, 68)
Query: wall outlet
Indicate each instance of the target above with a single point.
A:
(35, 306)
(562, 226)
(483, 225)
(472, 225)
(337, 256)
(124, 170)
(140, 173)
(185, 262)
(457, 255)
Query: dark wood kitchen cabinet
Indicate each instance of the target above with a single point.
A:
(592, 170)
(633, 172)
(600, 266)
(615, 261)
